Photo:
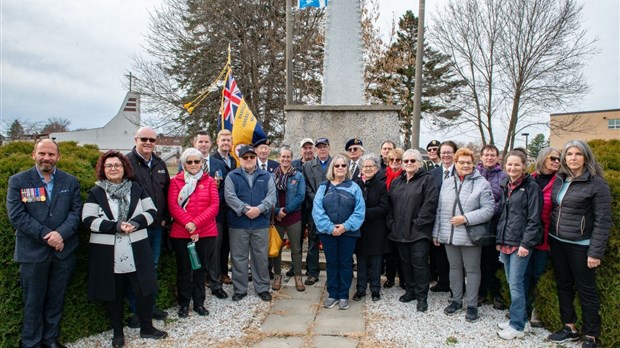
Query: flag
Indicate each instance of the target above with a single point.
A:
(237, 117)
(312, 3)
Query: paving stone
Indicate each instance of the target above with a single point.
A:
(280, 342)
(292, 323)
(295, 306)
(335, 341)
(334, 325)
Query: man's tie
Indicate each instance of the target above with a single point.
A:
(205, 167)
(446, 174)
(353, 166)
(262, 166)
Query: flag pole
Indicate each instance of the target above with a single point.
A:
(289, 53)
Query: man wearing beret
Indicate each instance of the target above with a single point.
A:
(355, 149)
(263, 149)
(432, 149)
(250, 194)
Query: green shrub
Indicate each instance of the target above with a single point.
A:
(80, 317)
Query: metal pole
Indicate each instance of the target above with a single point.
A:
(289, 53)
(417, 101)
(526, 135)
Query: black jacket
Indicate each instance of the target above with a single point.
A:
(155, 181)
(584, 212)
(520, 223)
(373, 230)
(412, 207)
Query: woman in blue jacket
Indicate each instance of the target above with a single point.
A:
(290, 193)
(338, 212)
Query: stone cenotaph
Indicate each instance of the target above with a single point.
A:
(343, 114)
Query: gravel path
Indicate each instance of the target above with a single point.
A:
(388, 321)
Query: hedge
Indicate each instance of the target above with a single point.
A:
(81, 317)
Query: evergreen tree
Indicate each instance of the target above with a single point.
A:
(16, 131)
(538, 143)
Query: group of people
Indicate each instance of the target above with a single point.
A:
(450, 220)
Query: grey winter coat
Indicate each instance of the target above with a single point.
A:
(477, 201)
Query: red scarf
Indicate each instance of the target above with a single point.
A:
(391, 175)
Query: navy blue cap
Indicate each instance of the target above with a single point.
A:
(262, 142)
(321, 141)
(351, 142)
(245, 149)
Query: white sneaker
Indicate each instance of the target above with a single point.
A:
(506, 324)
(509, 333)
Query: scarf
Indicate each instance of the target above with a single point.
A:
(119, 192)
(281, 178)
(391, 175)
(188, 188)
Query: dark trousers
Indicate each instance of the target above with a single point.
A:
(369, 265)
(312, 257)
(414, 258)
(393, 265)
(339, 266)
(489, 265)
(440, 267)
(43, 288)
(223, 246)
(191, 283)
(570, 263)
(116, 309)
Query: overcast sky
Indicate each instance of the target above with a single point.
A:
(68, 58)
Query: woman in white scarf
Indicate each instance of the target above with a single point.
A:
(193, 202)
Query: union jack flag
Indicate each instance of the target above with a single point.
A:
(232, 98)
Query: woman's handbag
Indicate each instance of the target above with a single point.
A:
(275, 242)
(480, 235)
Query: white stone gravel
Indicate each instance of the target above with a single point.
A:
(227, 320)
(399, 324)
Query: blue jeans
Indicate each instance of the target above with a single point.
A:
(535, 268)
(339, 259)
(515, 267)
(154, 233)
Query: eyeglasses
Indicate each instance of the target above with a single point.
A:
(144, 140)
(340, 165)
(554, 158)
(248, 158)
(353, 149)
(464, 163)
(446, 153)
(368, 167)
(190, 162)
(115, 166)
(397, 160)
(432, 149)
(409, 161)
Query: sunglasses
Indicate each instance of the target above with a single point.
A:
(340, 165)
(432, 149)
(144, 140)
(554, 158)
(248, 157)
(409, 161)
(397, 160)
(190, 162)
(353, 149)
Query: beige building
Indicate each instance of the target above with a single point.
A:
(586, 125)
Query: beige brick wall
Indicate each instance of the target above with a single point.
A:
(583, 126)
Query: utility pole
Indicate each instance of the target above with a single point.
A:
(289, 53)
(417, 94)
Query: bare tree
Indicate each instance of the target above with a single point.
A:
(56, 124)
(520, 59)
(187, 48)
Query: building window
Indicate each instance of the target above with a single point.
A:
(613, 123)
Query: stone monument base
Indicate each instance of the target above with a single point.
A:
(372, 123)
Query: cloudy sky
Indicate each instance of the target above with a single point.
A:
(68, 58)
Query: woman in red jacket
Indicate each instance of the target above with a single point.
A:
(193, 202)
(547, 165)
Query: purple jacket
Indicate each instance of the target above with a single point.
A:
(494, 176)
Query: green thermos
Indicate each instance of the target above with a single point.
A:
(193, 255)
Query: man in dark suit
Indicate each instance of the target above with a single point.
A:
(217, 170)
(224, 144)
(263, 149)
(440, 267)
(314, 174)
(44, 207)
